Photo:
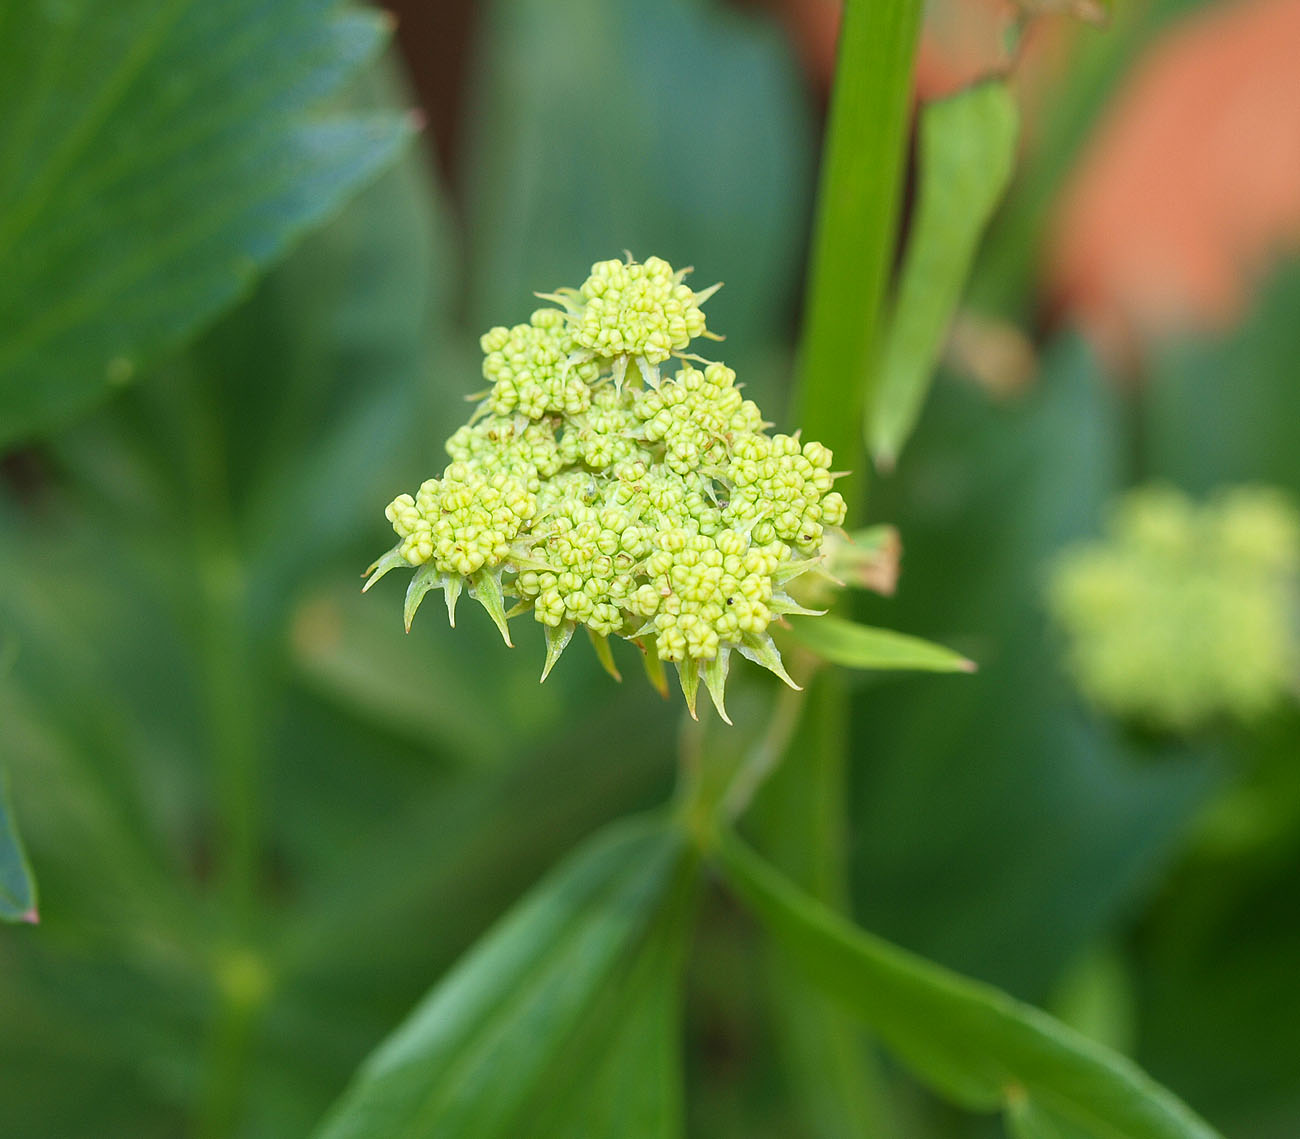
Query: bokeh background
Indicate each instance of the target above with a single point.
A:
(181, 570)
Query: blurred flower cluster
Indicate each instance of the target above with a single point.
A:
(598, 491)
(1183, 612)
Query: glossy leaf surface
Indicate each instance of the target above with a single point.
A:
(579, 965)
(155, 158)
(975, 1044)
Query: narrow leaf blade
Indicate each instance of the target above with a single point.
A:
(967, 152)
(972, 1042)
(863, 646)
(858, 203)
(524, 996)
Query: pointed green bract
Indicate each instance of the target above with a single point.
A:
(715, 679)
(557, 639)
(485, 588)
(762, 650)
(654, 666)
(787, 606)
(426, 578)
(451, 589)
(688, 676)
(378, 569)
(604, 654)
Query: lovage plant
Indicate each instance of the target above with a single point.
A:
(263, 820)
(597, 489)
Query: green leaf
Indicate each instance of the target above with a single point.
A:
(973, 1043)
(17, 887)
(622, 1076)
(1027, 1119)
(967, 152)
(861, 646)
(155, 158)
(857, 211)
(585, 966)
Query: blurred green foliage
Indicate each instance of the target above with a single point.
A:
(264, 822)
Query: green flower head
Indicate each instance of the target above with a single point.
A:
(594, 488)
(1184, 612)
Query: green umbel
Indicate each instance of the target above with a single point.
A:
(1184, 613)
(596, 490)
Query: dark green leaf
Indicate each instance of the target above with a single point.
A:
(622, 1076)
(154, 159)
(586, 963)
(967, 152)
(861, 646)
(975, 1044)
(17, 888)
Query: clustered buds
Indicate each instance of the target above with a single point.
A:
(596, 490)
(1184, 613)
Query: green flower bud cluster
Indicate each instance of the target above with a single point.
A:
(463, 521)
(652, 508)
(531, 369)
(642, 310)
(1184, 613)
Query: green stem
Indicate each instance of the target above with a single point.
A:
(802, 819)
(856, 228)
(242, 985)
(232, 696)
(801, 823)
(802, 815)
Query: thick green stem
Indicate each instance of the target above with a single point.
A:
(856, 228)
(232, 698)
(802, 819)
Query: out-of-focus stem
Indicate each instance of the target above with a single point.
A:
(232, 706)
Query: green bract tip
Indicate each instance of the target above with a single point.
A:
(596, 490)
